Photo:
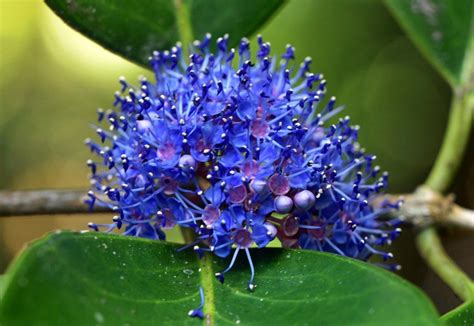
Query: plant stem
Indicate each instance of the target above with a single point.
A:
(430, 247)
(46, 202)
(426, 207)
(447, 163)
(188, 234)
(185, 29)
(454, 143)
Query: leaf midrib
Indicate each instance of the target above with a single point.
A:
(206, 276)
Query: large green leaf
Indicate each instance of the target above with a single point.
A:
(443, 31)
(133, 29)
(86, 279)
(461, 316)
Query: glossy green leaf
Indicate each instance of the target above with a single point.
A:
(443, 31)
(461, 316)
(134, 29)
(86, 279)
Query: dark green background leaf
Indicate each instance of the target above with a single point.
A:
(134, 29)
(82, 279)
(461, 316)
(443, 30)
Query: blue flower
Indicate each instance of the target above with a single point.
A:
(241, 152)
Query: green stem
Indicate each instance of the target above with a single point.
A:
(207, 281)
(185, 29)
(188, 234)
(446, 166)
(456, 138)
(430, 247)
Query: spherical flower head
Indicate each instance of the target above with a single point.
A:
(240, 150)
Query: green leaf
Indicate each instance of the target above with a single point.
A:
(462, 315)
(134, 29)
(442, 30)
(91, 278)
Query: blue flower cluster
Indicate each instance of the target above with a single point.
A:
(241, 153)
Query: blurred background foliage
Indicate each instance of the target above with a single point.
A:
(52, 79)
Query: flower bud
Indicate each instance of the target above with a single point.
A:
(283, 204)
(187, 162)
(305, 200)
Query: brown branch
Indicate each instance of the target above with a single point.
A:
(461, 217)
(422, 208)
(45, 202)
(426, 207)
